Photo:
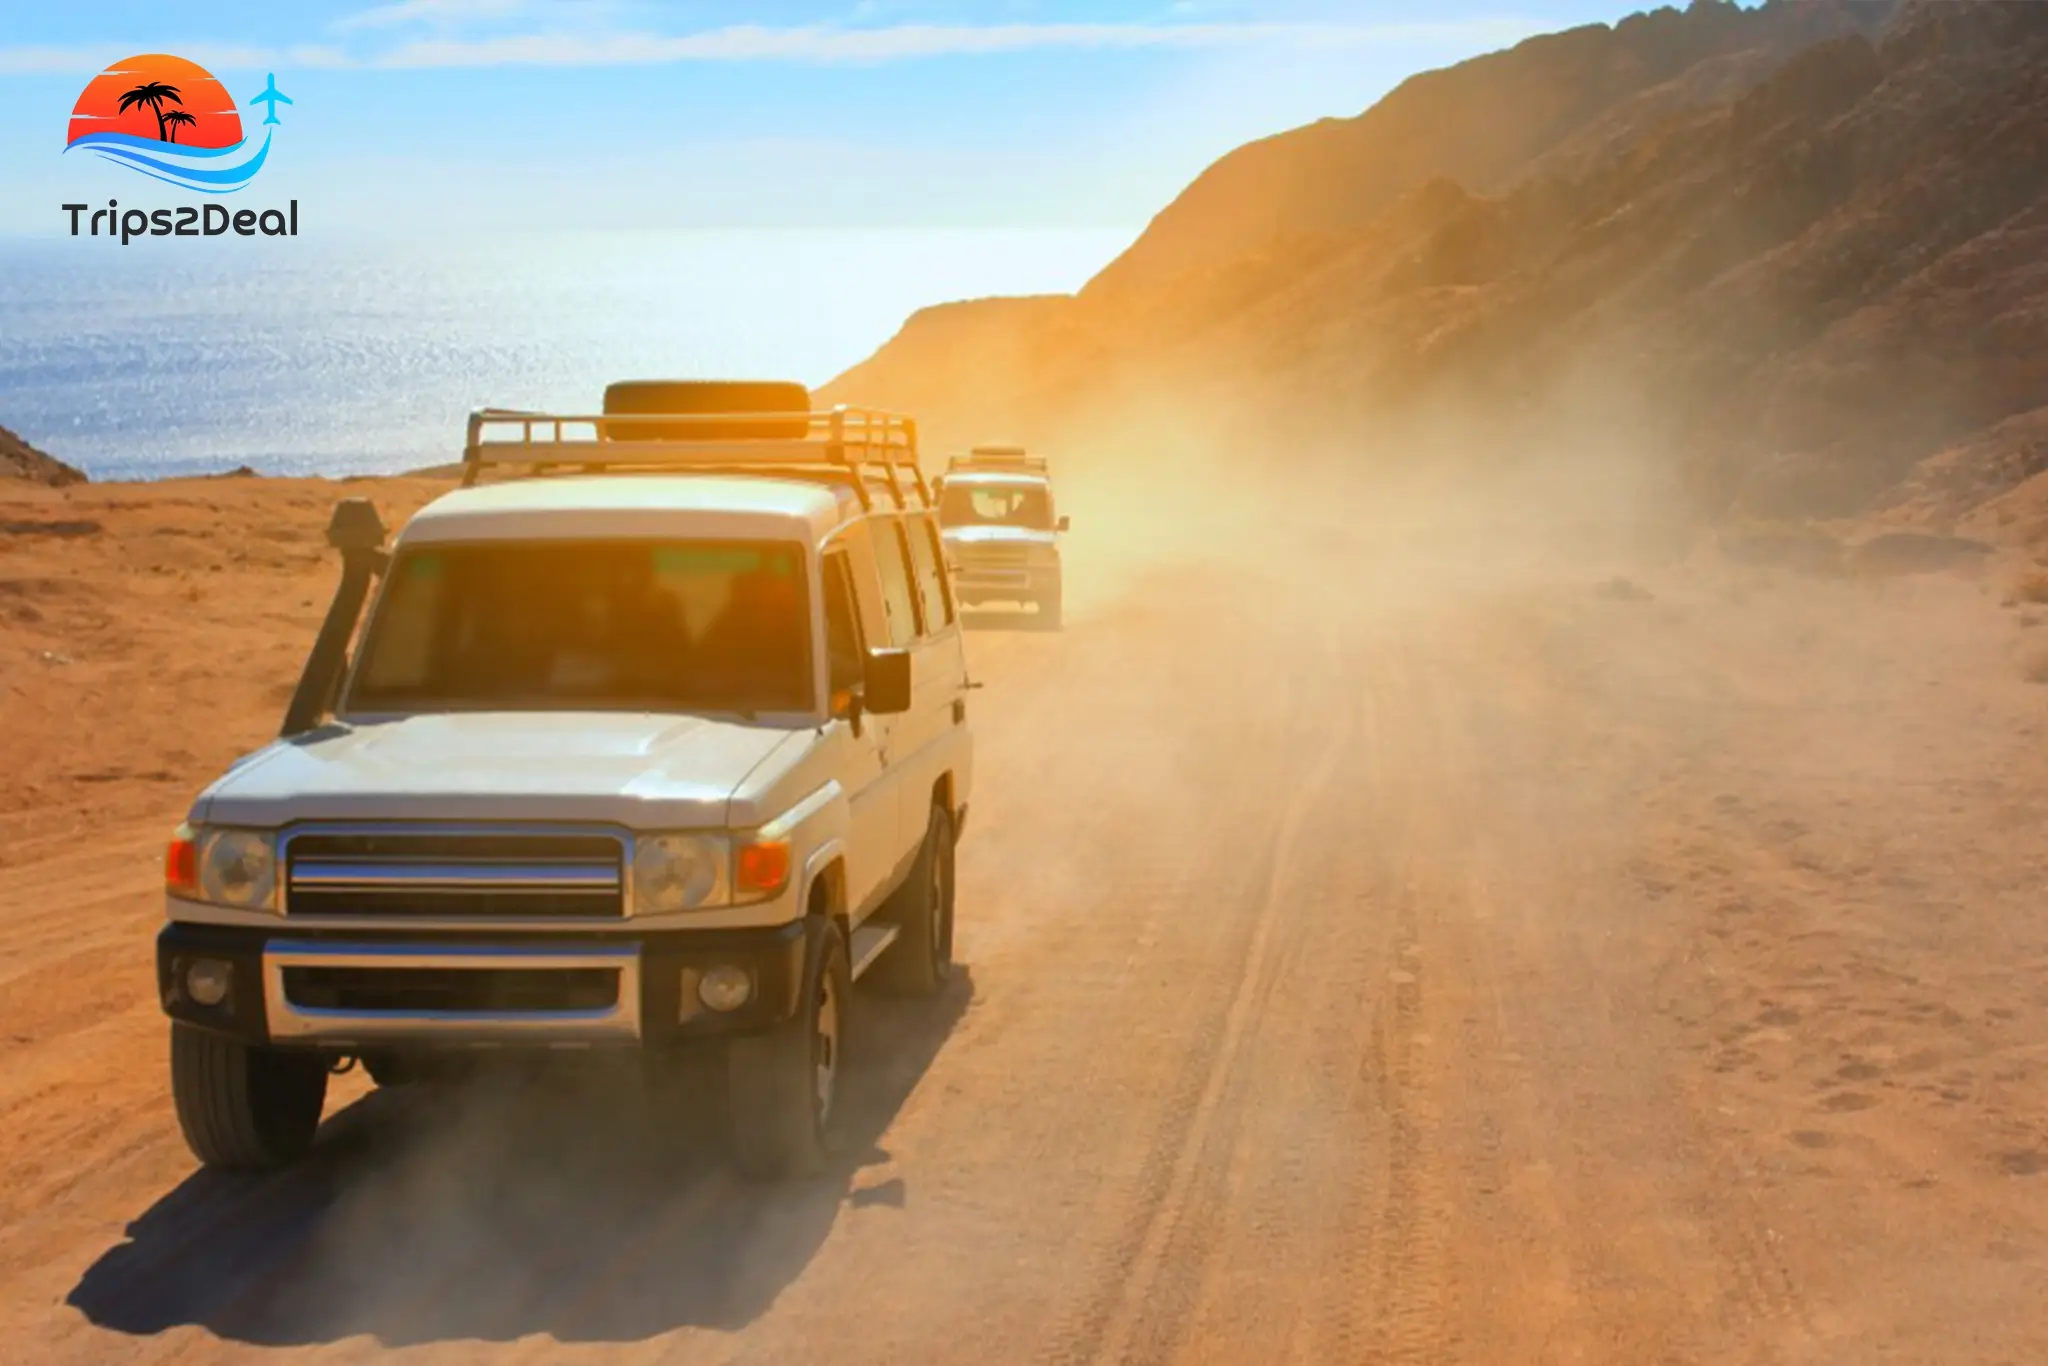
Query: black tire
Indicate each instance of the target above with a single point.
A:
(1049, 609)
(921, 960)
(782, 1086)
(244, 1108)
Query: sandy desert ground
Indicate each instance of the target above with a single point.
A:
(1383, 944)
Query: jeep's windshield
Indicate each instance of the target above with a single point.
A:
(590, 625)
(976, 504)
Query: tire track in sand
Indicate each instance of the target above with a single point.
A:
(1143, 1311)
(1405, 1314)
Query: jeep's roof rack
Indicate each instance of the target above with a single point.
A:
(997, 458)
(857, 445)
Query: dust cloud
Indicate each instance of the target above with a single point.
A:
(1428, 894)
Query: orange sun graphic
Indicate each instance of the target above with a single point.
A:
(159, 97)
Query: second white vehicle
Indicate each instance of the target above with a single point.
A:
(1002, 531)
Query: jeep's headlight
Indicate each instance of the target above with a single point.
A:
(238, 868)
(680, 873)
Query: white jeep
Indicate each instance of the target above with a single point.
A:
(1001, 530)
(660, 747)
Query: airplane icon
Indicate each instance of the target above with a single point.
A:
(270, 99)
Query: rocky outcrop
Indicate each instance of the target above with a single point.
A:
(1483, 124)
(19, 460)
(1796, 268)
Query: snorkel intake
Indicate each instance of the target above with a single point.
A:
(357, 532)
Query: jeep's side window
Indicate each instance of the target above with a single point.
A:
(931, 577)
(899, 598)
(411, 606)
(843, 654)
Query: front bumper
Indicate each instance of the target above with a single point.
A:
(343, 991)
(973, 583)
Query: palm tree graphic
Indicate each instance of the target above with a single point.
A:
(153, 94)
(175, 120)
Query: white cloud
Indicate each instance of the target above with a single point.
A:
(35, 61)
(90, 61)
(439, 13)
(312, 56)
(816, 44)
(826, 44)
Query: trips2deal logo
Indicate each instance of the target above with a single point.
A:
(170, 120)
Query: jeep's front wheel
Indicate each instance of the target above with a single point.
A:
(1049, 613)
(921, 959)
(782, 1086)
(244, 1107)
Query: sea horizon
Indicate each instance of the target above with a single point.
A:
(365, 355)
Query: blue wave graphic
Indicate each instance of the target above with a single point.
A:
(211, 170)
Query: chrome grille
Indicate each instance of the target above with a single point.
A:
(455, 873)
(994, 556)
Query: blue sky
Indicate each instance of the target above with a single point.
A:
(478, 114)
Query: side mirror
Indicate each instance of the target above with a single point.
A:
(1062, 524)
(886, 690)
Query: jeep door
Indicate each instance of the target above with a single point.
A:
(854, 624)
(930, 748)
(911, 773)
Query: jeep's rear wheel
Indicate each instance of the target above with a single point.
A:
(921, 959)
(783, 1086)
(243, 1107)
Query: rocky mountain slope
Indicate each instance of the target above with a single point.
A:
(1797, 250)
(1483, 124)
(19, 460)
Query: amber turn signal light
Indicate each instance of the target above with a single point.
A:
(761, 869)
(181, 863)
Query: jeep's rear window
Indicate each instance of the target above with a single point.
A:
(590, 625)
(1021, 505)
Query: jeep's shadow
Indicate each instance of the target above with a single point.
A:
(586, 1207)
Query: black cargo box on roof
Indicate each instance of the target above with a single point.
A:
(998, 458)
(686, 397)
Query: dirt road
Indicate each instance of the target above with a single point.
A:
(1484, 966)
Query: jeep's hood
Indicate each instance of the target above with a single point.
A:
(630, 768)
(997, 535)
